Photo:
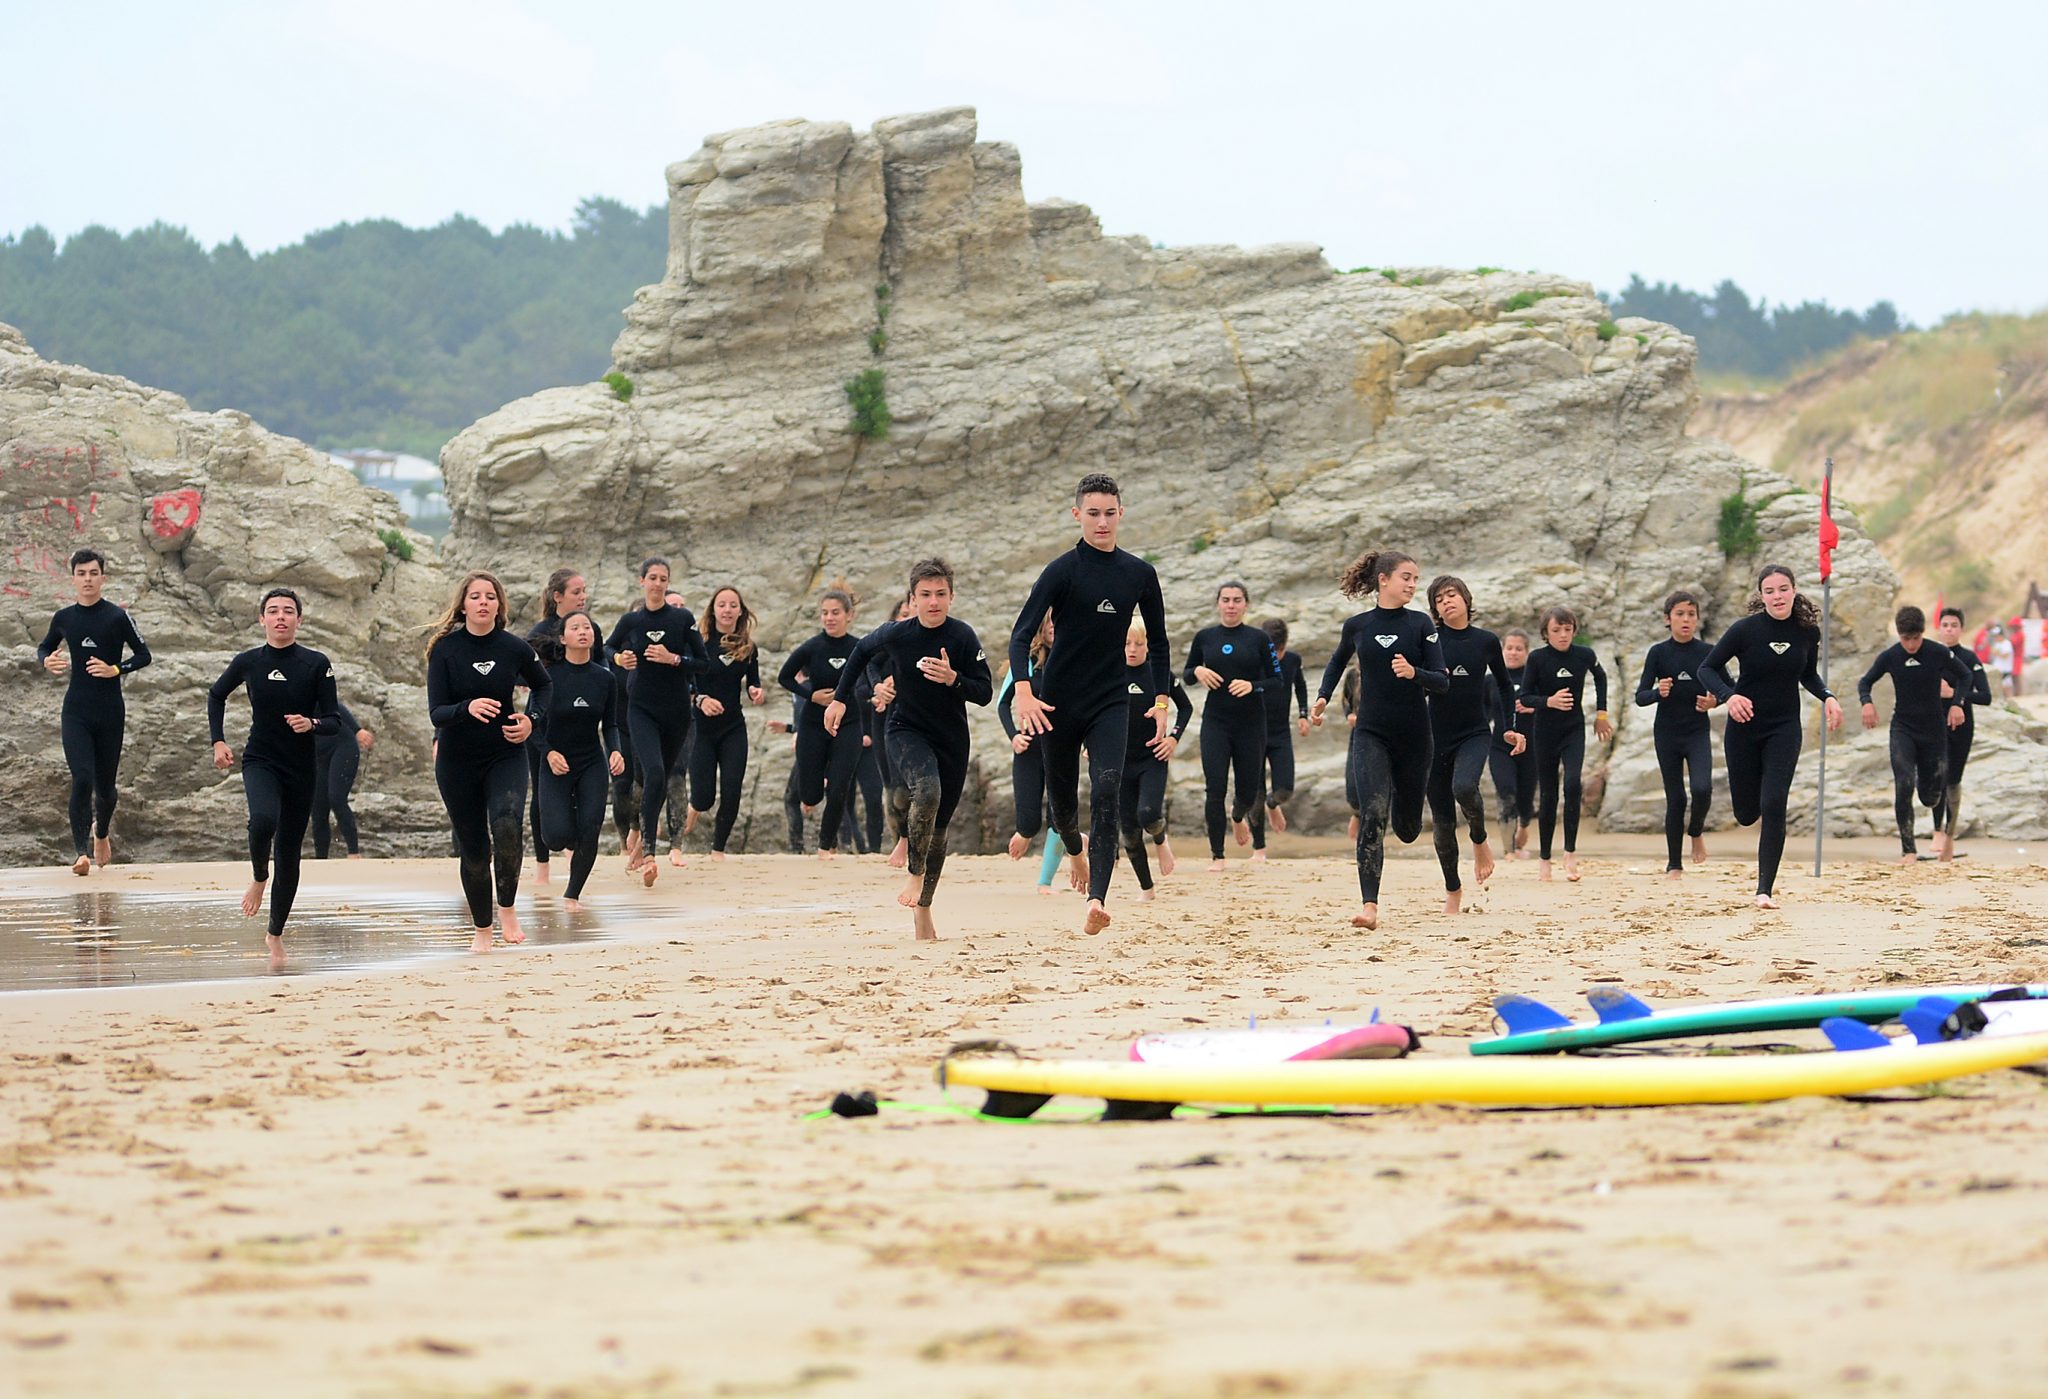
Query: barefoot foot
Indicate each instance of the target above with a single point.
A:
(1077, 871)
(913, 886)
(690, 820)
(481, 942)
(1166, 859)
(824, 854)
(273, 943)
(1368, 917)
(1766, 901)
(1482, 862)
(1216, 866)
(572, 905)
(1046, 889)
(900, 856)
(1571, 867)
(1258, 857)
(1674, 875)
(921, 921)
(718, 854)
(1276, 817)
(1019, 845)
(355, 854)
(252, 901)
(1699, 850)
(1242, 830)
(1097, 920)
(540, 873)
(102, 851)
(1910, 858)
(650, 870)
(1145, 896)
(1351, 831)
(1452, 898)
(508, 923)
(1543, 870)
(82, 865)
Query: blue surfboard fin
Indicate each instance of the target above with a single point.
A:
(1926, 1018)
(1524, 1015)
(1844, 1033)
(1612, 1005)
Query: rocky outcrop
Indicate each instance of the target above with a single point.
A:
(1267, 416)
(197, 514)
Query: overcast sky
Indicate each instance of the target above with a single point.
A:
(1849, 152)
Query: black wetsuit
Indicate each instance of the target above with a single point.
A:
(658, 707)
(1559, 735)
(1682, 736)
(1461, 733)
(1390, 746)
(1960, 740)
(895, 800)
(1233, 726)
(337, 757)
(625, 785)
(576, 721)
(927, 726)
(826, 765)
(1919, 731)
(1027, 769)
(545, 637)
(482, 777)
(1091, 594)
(1141, 805)
(95, 716)
(1280, 740)
(1774, 659)
(1514, 774)
(277, 764)
(718, 760)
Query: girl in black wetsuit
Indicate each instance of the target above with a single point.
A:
(337, 758)
(1514, 773)
(1027, 771)
(1461, 732)
(941, 669)
(659, 644)
(1554, 684)
(1279, 736)
(877, 691)
(1671, 680)
(291, 701)
(825, 762)
(1399, 666)
(85, 640)
(578, 740)
(566, 592)
(473, 666)
(1776, 650)
(1141, 805)
(1235, 664)
(718, 760)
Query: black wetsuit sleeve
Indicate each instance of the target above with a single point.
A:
(442, 706)
(1003, 714)
(754, 669)
(846, 692)
(1152, 611)
(1878, 667)
(1334, 671)
(1646, 682)
(217, 699)
(1810, 677)
(611, 643)
(141, 657)
(1980, 686)
(696, 658)
(972, 678)
(537, 679)
(1043, 592)
(791, 669)
(1434, 674)
(1599, 682)
(327, 704)
(1300, 687)
(1270, 675)
(608, 725)
(1959, 681)
(1714, 669)
(345, 722)
(1497, 671)
(52, 640)
(1183, 710)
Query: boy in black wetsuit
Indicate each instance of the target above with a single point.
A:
(1672, 682)
(85, 640)
(1948, 816)
(1078, 700)
(941, 669)
(1921, 717)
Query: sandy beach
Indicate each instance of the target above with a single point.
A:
(586, 1168)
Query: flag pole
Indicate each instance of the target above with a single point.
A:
(1827, 583)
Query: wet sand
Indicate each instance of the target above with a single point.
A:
(584, 1168)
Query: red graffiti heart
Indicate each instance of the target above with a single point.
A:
(174, 513)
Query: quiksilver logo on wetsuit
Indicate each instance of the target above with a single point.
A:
(1781, 647)
(581, 703)
(88, 645)
(1106, 606)
(1134, 689)
(1386, 640)
(1683, 676)
(981, 655)
(1563, 674)
(1459, 670)
(484, 667)
(1910, 661)
(1430, 637)
(275, 675)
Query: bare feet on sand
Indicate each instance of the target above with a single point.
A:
(572, 905)
(1482, 861)
(481, 942)
(921, 921)
(1909, 858)
(252, 901)
(1097, 920)
(1367, 917)
(1258, 857)
(718, 854)
(1166, 860)
(508, 923)
(1699, 850)
(1351, 831)
(650, 870)
(1452, 898)
(1019, 845)
(689, 819)
(1944, 847)
(540, 873)
(274, 945)
(1674, 875)
(102, 851)
(824, 854)
(912, 887)
(1276, 818)
(356, 855)
(82, 865)
(1216, 866)
(899, 858)
(1243, 831)
(675, 856)
(1145, 896)
(1077, 871)
(1571, 867)
(1766, 901)
(1543, 870)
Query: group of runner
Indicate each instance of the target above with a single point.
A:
(1435, 702)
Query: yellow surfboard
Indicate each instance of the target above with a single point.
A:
(1549, 1082)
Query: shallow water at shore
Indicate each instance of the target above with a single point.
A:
(129, 937)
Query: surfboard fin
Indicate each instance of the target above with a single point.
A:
(1613, 1005)
(1929, 1018)
(1844, 1033)
(1124, 1110)
(1003, 1103)
(1524, 1015)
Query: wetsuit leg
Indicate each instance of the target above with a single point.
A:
(1574, 771)
(572, 809)
(1466, 777)
(1027, 785)
(1248, 769)
(1129, 822)
(1760, 767)
(718, 763)
(793, 809)
(842, 762)
(1699, 766)
(813, 756)
(1906, 749)
(1280, 762)
(626, 787)
(1959, 741)
(1350, 779)
(323, 762)
(933, 774)
(1215, 778)
(263, 790)
(280, 806)
(1411, 788)
(1549, 744)
(1443, 815)
(536, 767)
(504, 784)
(469, 812)
(1931, 770)
(340, 771)
(869, 776)
(658, 741)
(1372, 768)
(1671, 757)
(92, 750)
(1102, 734)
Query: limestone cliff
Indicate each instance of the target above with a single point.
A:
(197, 513)
(1268, 417)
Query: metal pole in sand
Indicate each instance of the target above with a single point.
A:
(1820, 807)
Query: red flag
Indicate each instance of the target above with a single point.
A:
(1829, 535)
